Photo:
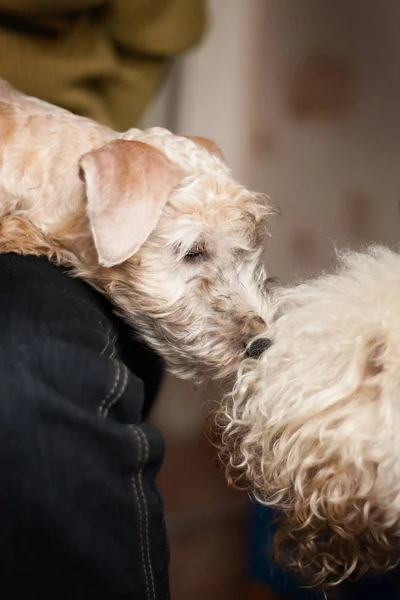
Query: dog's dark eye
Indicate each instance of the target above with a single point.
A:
(196, 253)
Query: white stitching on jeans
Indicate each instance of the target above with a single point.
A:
(146, 521)
(113, 350)
(113, 401)
(140, 512)
(108, 341)
(113, 389)
(143, 518)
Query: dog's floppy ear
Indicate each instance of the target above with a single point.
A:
(127, 186)
(207, 144)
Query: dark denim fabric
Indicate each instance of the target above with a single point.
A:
(80, 515)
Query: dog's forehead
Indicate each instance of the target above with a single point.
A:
(209, 196)
(182, 150)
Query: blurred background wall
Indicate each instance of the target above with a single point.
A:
(303, 96)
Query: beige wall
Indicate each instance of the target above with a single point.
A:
(325, 130)
(303, 96)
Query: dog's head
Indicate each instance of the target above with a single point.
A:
(154, 220)
(312, 426)
(180, 245)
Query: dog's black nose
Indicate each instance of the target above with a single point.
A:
(257, 347)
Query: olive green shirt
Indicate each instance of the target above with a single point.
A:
(100, 58)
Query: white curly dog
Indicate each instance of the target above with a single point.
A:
(313, 426)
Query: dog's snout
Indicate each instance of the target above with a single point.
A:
(256, 348)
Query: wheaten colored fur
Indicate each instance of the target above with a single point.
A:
(312, 427)
(153, 220)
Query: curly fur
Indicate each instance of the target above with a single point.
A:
(312, 427)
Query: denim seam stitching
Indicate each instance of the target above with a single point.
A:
(114, 400)
(147, 537)
(107, 342)
(113, 388)
(135, 490)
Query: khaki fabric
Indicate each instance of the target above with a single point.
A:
(102, 59)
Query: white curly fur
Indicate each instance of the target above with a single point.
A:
(312, 427)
